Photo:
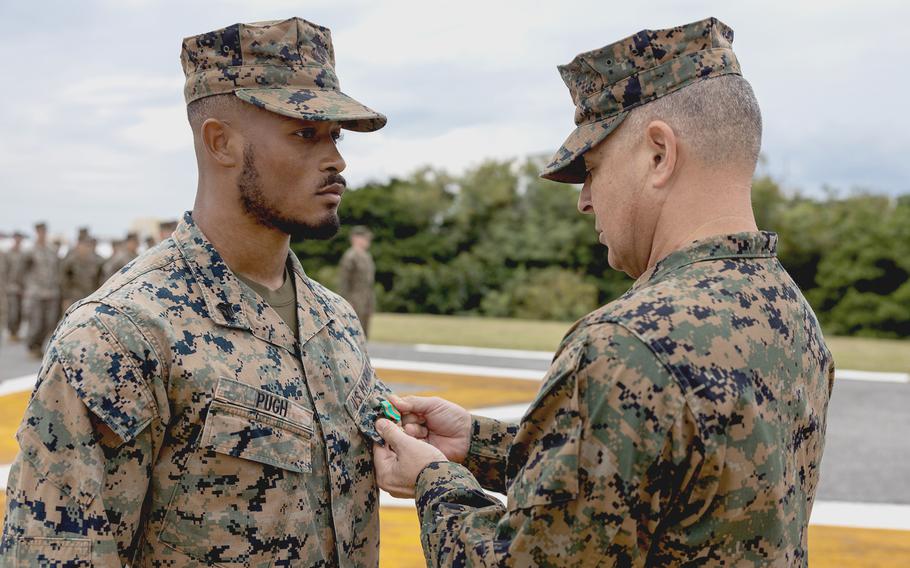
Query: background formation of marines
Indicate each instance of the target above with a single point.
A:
(37, 284)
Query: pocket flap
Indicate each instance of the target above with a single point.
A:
(256, 425)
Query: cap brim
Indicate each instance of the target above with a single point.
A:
(315, 104)
(567, 165)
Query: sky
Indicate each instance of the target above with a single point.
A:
(93, 128)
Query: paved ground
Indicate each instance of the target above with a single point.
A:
(867, 453)
(866, 466)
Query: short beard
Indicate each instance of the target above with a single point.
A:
(265, 213)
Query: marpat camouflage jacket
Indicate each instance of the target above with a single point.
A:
(682, 423)
(177, 422)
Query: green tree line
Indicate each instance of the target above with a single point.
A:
(499, 241)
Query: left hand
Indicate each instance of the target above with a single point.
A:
(401, 460)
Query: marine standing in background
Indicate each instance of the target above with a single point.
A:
(165, 228)
(15, 271)
(356, 275)
(15, 280)
(80, 271)
(3, 279)
(124, 252)
(683, 423)
(41, 296)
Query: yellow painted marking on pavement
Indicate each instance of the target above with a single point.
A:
(834, 547)
(12, 407)
(399, 538)
(469, 392)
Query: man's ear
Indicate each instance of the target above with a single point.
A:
(662, 147)
(221, 143)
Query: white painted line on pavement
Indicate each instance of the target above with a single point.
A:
(484, 352)
(446, 368)
(532, 375)
(828, 513)
(386, 500)
(508, 413)
(861, 515)
(871, 376)
(19, 384)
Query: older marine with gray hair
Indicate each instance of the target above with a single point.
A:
(683, 423)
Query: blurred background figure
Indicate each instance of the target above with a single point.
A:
(3, 278)
(15, 271)
(356, 274)
(125, 251)
(165, 228)
(80, 270)
(41, 290)
(150, 242)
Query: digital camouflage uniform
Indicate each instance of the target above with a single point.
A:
(3, 285)
(177, 421)
(15, 281)
(15, 268)
(356, 275)
(117, 261)
(682, 424)
(80, 275)
(41, 298)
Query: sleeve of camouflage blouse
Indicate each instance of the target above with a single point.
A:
(486, 459)
(592, 441)
(87, 444)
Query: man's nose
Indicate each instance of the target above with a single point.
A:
(334, 161)
(584, 199)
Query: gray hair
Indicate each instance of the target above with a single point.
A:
(718, 119)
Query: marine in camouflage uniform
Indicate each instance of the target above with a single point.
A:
(3, 284)
(80, 271)
(15, 280)
(356, 275)
(178, 420)
(683, 423)
(41, 297)
(124, 253)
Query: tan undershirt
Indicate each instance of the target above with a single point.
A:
(283, 300)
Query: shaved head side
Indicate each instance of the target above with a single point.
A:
(215, 106)
(718, 119)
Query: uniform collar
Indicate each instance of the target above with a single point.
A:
(760, 244)
(232, 304)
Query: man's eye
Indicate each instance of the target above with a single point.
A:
(306, 133)
(337, 136)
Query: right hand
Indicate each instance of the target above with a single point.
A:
(438, 422)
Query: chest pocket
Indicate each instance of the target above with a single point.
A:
(253, 424)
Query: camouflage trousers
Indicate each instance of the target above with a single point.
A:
(42, 315)
(13, 312)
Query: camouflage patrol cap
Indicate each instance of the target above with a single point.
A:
(286, 67)
(607, 83)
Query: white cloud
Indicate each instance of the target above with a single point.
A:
(160, 129)
(103, 138)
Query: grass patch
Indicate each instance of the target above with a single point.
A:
(865, 354)
(849, 352)
(473, 331)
